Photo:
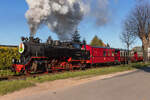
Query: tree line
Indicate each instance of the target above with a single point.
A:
(96, 41)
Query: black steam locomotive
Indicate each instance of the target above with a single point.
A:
(50, 56)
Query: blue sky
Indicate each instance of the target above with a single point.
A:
(13, 24)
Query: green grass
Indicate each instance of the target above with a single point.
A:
(89, 72)
(10, 86)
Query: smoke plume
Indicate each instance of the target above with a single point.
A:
(63, 16)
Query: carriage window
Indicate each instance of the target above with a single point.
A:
(120, 53)
(116, 52)
(134, 52)
(108, 53)
(112, 53)
(104, 53)
(126, 53)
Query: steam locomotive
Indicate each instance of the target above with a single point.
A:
(66, 55)
(53, 55)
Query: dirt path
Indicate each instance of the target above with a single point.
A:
(56, 85)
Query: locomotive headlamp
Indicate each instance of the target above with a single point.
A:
(21, 48)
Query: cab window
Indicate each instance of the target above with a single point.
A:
(76, 46)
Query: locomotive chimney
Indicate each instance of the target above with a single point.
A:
(31, 39)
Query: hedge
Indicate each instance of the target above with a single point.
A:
(6, 56)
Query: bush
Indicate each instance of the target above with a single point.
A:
(6, 56)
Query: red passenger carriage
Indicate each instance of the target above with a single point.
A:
(101, 54)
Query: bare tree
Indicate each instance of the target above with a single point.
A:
(127, 37)
(108, 45)
(138, 23)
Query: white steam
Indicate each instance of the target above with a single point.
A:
(63, 16)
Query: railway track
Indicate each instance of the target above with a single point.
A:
(21, 77)
(15, 77)
(24, 76)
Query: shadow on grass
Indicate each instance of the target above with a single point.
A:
(144, 67)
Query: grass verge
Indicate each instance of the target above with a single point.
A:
(11, 86)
